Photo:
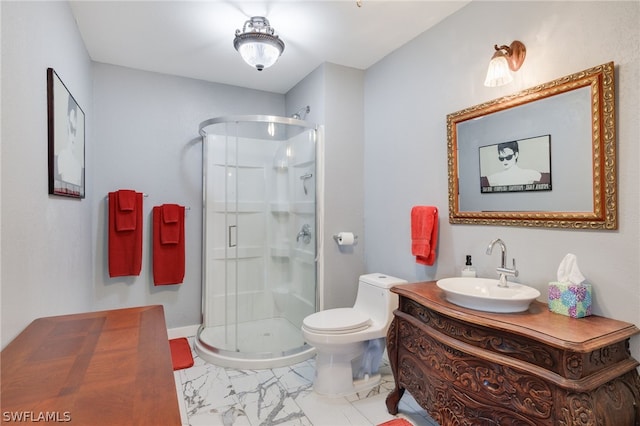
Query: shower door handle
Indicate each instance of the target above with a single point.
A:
(233, 235)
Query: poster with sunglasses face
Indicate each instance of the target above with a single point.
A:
(516, 166)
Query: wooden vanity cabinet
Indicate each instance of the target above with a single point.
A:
(467, 367)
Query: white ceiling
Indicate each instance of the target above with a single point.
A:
(195, 38)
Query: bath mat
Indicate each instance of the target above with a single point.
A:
(180, 353)
(397, 422)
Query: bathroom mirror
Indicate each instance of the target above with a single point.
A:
(543, 157)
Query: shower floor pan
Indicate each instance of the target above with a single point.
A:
(266, 343)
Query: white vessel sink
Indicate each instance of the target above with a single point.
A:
(484, 294)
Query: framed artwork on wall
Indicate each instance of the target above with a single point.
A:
(516, 166)
(66, 131)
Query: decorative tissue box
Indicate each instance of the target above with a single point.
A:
(573, 300)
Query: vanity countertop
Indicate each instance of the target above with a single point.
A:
(578, 334)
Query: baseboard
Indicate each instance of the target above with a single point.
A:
(186, 331)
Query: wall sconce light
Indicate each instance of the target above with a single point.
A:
(256, 43)
(505, 58)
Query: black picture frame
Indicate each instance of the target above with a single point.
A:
(66, 139)
(516, 166)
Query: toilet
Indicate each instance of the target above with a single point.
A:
(349, 341)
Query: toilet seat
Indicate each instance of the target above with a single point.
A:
(337, 321)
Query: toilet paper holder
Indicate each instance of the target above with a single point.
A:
(336, 238)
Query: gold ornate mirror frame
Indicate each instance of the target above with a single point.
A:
(603, 215)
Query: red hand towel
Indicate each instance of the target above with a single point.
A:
(170, 225)
(126, 213)
(424, 234)
(125, 246)
(168, 259)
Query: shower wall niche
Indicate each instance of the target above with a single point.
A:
(259, 243)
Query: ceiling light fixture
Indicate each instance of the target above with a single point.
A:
(256, 43)
(504, 59)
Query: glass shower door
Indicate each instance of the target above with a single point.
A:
(259, 251)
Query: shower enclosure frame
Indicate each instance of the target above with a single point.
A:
(227, 357)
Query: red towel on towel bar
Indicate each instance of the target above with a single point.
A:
(125, 233)
(170, 226)
(126, 214)
(168, 244)
(424, 234)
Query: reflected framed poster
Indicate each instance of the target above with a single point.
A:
(516, 166)
(66, 137)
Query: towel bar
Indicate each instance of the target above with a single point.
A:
(143, 194)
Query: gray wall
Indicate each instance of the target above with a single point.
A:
(146, 138)
(47, 249)
(344, 183)
(153, 150)
(335, 94)
(407, 97)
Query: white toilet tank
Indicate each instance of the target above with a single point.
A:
(375, 297)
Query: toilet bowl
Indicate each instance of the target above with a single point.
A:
(347, 340)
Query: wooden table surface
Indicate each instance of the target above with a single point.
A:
(99, 368)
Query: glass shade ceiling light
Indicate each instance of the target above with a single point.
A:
(256, 43)
(504, 60)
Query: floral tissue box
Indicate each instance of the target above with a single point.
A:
(573, 300)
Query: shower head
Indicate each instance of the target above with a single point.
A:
(299, 114)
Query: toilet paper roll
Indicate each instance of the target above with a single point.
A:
(346, 238)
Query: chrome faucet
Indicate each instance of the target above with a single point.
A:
(305, 234)
(502, 269)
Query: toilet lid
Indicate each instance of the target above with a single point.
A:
(337, 321)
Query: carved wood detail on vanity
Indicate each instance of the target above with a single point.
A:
(535, 368)
(521, 348)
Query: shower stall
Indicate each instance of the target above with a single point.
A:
(260, 251)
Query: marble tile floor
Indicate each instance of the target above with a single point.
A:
(214, 396)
